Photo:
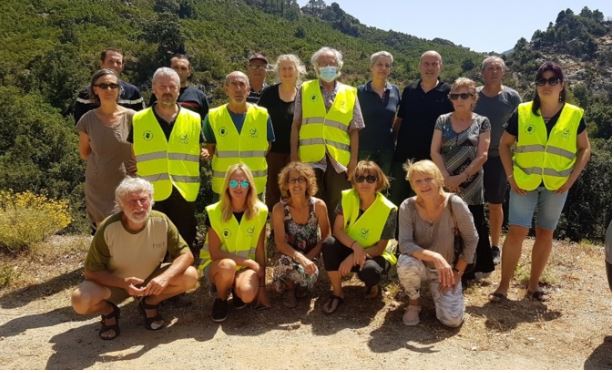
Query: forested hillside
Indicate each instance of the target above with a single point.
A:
(51, 47)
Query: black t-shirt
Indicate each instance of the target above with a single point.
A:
(512, 127)
(419, 111)
(281, 114)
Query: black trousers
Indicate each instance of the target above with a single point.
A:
(334, 252)
(483, 253)
(182, 214)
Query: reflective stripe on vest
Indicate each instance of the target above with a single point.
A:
(249, 146)
(541, 157)
(367, 228)
(167, 163)
(326, 132)
(238, 238)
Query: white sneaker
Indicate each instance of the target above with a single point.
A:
(412, 315)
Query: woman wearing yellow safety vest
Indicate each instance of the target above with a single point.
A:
(233, 257)
(365, 223)
(551, 148)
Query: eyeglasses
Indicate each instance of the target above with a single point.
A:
(234, 184)
(551, 81)
(106, 86)
(456, 96)
(297, 180)
(368, 178)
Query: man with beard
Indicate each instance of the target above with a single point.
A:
(125, 260)
(166, 142)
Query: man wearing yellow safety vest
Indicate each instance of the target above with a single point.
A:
(166, 142)
(327, 118)
(238, 132)
(551, 148)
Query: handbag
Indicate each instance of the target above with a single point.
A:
(458, 239)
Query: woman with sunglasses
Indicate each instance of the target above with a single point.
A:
(102, 143)
(365, 222)
(459, 148)
(426, 241)
(233, 258)
(300, 226)
(550, 149)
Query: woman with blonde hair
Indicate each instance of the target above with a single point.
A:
(279, 100)
(459, 148)
(233, 258)
(300, 225)
(427, 226)
(365, 222)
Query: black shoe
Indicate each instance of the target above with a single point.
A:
(496, 255)
(237, 303)
(219, 311)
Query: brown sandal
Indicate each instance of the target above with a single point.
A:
(115, 327)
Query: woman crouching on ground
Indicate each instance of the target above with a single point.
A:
(233, 257)
(297, 217)
(427, 223)
(365, 221)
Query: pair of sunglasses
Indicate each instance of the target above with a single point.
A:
(368, 178)
(107, 85)
(297, 180)
(551, 81)
(456, 96)
(234, 184)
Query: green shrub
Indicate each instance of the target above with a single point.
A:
(26, 218)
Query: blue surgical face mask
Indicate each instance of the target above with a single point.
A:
(328, 73)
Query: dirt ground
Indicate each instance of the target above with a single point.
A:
(39, 330)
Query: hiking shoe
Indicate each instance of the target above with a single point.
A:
(496, 255)
(412, 315)
(237, 303)
(219, 310)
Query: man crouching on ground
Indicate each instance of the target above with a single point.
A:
(125, 259)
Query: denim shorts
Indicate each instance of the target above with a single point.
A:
(546, 204)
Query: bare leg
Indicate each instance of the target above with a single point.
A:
(512, 248)
(222, 275)
(335, 281)
(495, 217)
(246, 285)
(539, 256)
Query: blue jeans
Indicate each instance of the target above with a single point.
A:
(546, 204)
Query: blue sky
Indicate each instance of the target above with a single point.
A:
(480, 25)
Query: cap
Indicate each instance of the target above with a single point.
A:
(258, 56)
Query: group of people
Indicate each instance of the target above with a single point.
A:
(317, 155)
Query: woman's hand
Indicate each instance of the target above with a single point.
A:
(309, 266)
(359, 254)
(444, 271)
(515, 186)
(452, 182)
(565, 187)
(346, 265)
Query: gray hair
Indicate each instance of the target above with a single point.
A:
(97, 75)
(131, 185)
(165, 71)
(292, 58)
(493, 59)
(237, 72)
(326, 50)
(377, 55)
(432, 53)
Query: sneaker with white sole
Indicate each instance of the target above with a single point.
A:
(412, 315)
(219, 310)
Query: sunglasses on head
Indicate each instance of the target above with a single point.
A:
(456, 96)
(107, 85)
(368, 178)
(551, 81)
(234, 184)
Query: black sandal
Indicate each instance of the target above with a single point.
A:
(115, 327)
(332, 304)
(538, 295)
(149, 321)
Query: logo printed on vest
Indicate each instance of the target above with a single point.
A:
(223, 131)
(530, 129)
(313, 98)
(184, 139)
(253, 132)
(226, 233)
(148, 135)
(250, 230)
(565, 133)
(364, 233)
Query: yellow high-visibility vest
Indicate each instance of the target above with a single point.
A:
(170, 162)
(322, 131)
(249, 146)
(367, 228)
(538, 156)
(238, 238)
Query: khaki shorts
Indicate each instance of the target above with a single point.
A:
(118, 295)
